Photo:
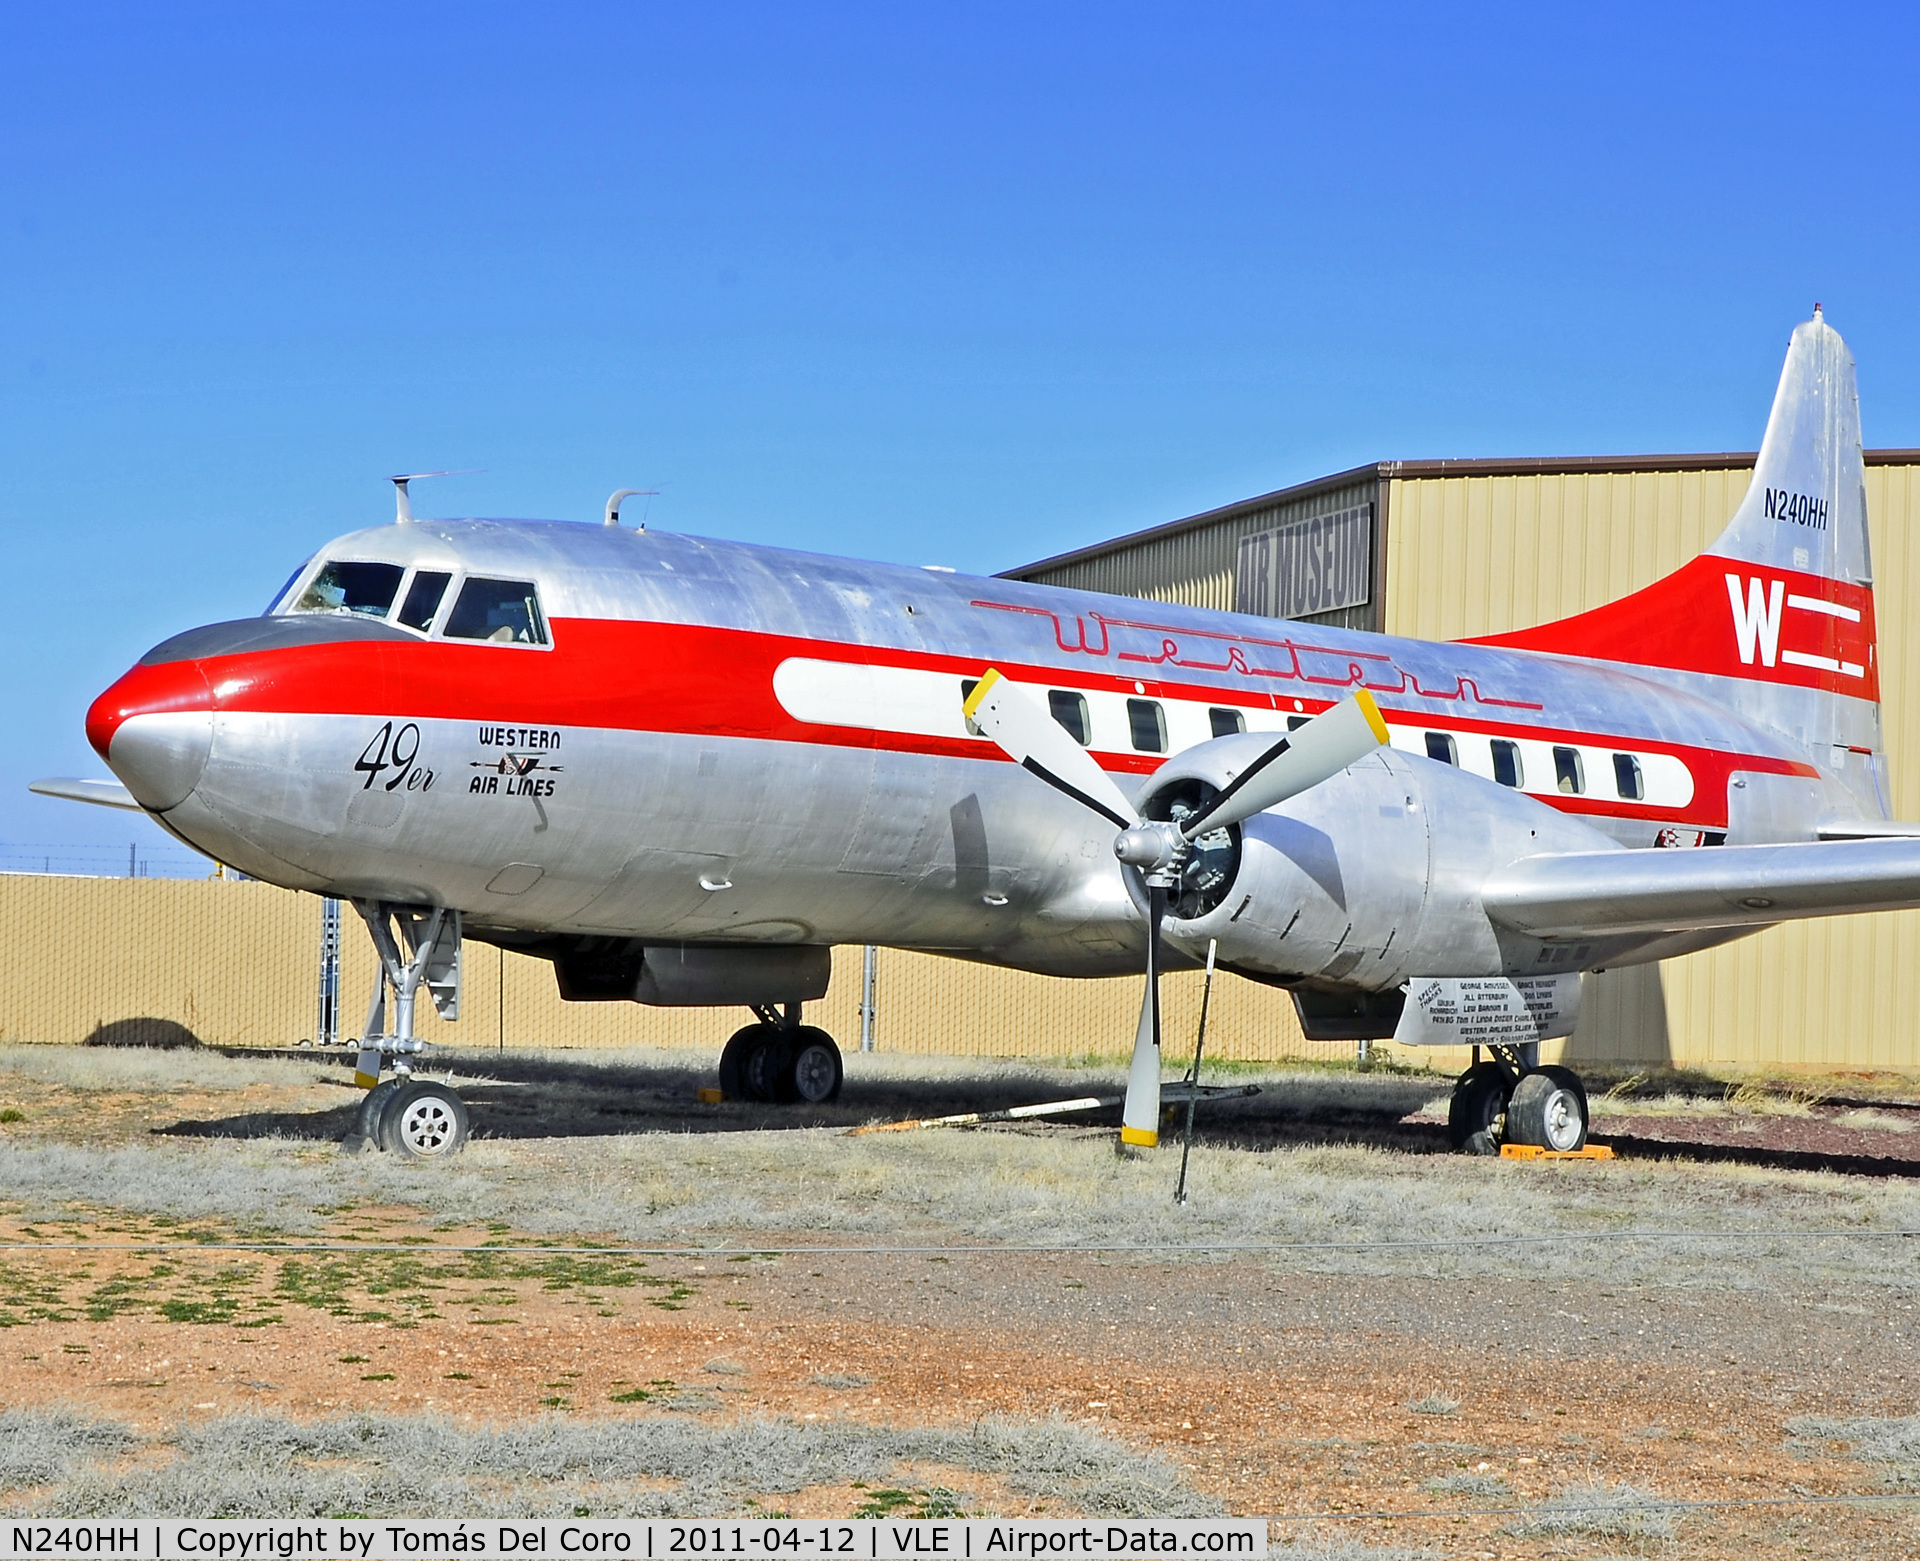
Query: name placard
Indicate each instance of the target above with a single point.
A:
(1306, 566)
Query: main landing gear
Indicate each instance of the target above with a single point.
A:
(415, 1119)
(780, 1059)
(1509, 1098)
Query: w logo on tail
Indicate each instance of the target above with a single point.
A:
(1756, 621)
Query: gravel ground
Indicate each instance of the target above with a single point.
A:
(1493, 1395)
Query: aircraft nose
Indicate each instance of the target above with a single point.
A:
(155, 730)
(159, 756)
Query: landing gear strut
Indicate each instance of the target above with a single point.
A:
(1510, 1098)
(780, 1059)
(416, 1119)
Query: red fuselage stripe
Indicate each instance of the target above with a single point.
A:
(692, 679)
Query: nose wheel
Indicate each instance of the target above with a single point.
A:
(423, 1121)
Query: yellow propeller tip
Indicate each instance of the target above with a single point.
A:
(980, 691)
(1142, 1137)
(1371, 711)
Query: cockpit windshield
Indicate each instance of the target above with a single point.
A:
(345, 586)
(506, 612)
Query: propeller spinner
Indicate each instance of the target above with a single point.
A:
(1027, 734)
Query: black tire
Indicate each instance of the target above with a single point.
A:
(812, 1072)
(753, 1063)
(373, 1106)
(1548, 1110)
(765, 1065)
(733, 1060)
(424, 1121)
(1478, 1111)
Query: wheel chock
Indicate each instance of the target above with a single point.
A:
(708, 1097)
(1535, 1152)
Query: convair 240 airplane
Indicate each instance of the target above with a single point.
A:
(682, 770)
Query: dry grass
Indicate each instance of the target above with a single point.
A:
(1893, 1445)
(1866, 1120)
(736, 1189)
(146, 1069)
(1677, 1092)
(57, 1464)
(1484, 1486)
(1058, 1185)
(1599, 1511)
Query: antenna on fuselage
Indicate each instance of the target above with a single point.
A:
(403, 507)
(613, 504)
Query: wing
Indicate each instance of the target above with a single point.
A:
(1595, 892)
(107, 793)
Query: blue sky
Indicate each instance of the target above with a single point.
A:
(965, 285)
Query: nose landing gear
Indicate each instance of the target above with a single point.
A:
(1511, 1099)
(415, 1119)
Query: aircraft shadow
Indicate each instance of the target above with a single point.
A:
(526, 1097)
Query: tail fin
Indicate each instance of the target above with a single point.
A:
(1775, 619)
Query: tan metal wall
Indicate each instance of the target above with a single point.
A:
(1195, 566)
(1485, 554)
(238, 963)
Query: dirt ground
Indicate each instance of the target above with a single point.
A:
(1435, 1409)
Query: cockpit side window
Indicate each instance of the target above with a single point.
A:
(504, 610)
(347, 586)
(423, 598)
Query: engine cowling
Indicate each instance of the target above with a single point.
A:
(1364, 880)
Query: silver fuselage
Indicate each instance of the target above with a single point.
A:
(730, 743)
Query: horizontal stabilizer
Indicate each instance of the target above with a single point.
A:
(1869, 829)
(1592, 893)
(105, 793)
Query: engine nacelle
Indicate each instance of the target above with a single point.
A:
(1350, 884)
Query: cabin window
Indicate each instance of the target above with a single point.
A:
(1627, 779)
(505, 611)
(1568, 774)
(1226, 722)
(1295, 722)
(1148, 724)
(344, 586)
(967, 686)
(423, 599)
(1507, 769)
(1440, 747)
(1070, 710)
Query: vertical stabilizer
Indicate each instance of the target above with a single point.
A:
(1775, 618)
(1807, 509)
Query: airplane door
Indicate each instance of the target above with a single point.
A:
(889, 834)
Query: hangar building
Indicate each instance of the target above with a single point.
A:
(1443, 550)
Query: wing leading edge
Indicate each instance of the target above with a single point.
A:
(1597, 892)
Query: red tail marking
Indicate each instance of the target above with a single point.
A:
(1730, 619)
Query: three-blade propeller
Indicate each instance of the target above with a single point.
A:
(1028, 735)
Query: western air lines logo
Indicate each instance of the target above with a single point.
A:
(1757, 614)
(1797, 509)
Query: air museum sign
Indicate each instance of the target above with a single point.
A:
(1306, 566)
